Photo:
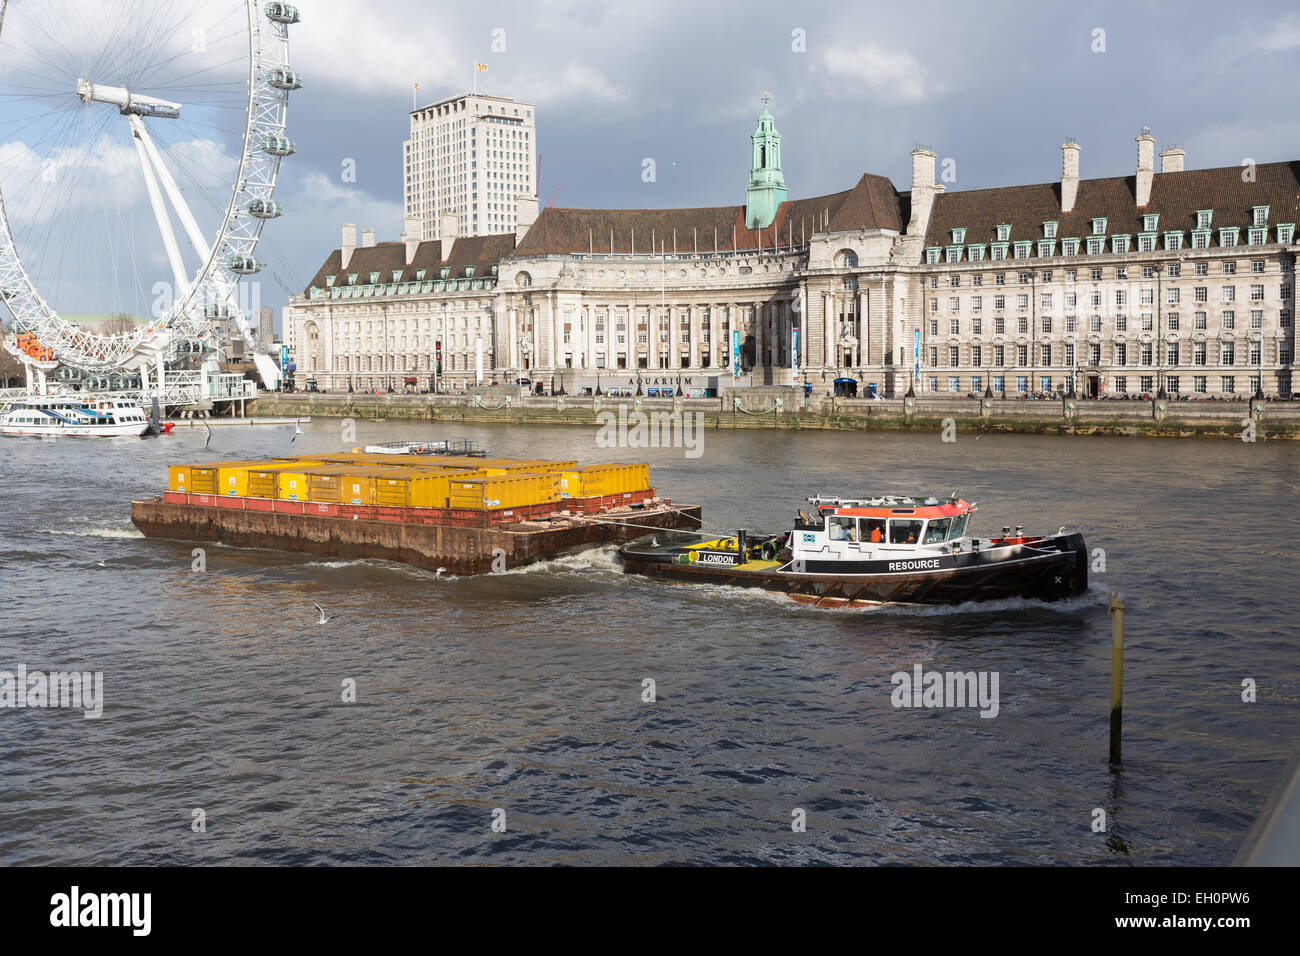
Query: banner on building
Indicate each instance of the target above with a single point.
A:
(735, 353)
(794, 351)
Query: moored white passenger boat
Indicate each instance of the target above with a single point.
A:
(74, 418)
(883, 550)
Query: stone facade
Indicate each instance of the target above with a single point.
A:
(1017, 289)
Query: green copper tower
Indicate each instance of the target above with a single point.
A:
(766, 189)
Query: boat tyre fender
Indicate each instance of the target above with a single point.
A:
(768, 551)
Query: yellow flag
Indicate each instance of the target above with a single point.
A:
(480, 67)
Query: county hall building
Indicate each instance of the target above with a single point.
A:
(1170, 278)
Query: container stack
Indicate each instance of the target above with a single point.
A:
(440, 489)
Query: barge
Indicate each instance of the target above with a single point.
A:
(873, 551)
(463, 517)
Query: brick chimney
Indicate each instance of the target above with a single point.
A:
(526, 212)
(448, 229)
(923, 190)
(413, 236)
(349, 242)
(367, 238)
(1146, 170)
(1069, 174)
(1171, 159)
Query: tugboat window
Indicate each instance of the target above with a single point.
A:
(905, 532)
(959, 527)
(842, 529)
(937, 531)
(873, 529)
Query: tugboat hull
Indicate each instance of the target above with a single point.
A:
(1048, 569)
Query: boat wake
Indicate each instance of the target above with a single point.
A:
(602, 560)
(94, 532)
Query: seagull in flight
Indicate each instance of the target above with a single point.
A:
(324, 618)
(296, 430)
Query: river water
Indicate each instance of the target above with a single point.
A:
(519, 697)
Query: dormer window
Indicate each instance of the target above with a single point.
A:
(329, 282)
(444, 272)
(352, 278)
(1046, 247)
(1003, 233)
(958, 236)
(374, 277)
(1119, 244)
(1099, 227)
(976, 253)
(1203, 218)
(1228, 236)
(419, 275)
(1285, 232)
(952, 254)
(1021, 250)
(1259, 216)
(1151, 222)
(1049, 230)
(397, 275)
(932, 255)
(1173, 240)
(1070, 247)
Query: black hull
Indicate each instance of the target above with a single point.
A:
(1052, 569)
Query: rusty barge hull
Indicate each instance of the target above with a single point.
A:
(459, 549)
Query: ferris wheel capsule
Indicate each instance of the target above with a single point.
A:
(264, 209)
(281, 12)
(286, 80)
(244, 265)
(278, 146)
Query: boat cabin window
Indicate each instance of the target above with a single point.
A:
(873, 529)
(905, 531)
(936, 532)
(959, 526)
(842, 529)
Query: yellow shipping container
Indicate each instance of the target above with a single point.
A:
(592, 481)
(262, 480)
(291, 484)
(202, 478)
(178, 478)
(504, 491)
(416, 487)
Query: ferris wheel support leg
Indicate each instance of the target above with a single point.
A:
(182, 208)
(160, 213)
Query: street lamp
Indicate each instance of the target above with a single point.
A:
(1259, 381)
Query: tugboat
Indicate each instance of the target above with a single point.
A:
(865, 552)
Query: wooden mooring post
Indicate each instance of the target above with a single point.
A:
(1116, 674)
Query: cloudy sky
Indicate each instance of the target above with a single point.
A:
(995, 86)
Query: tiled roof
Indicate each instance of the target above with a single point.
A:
(1175, 196)
(871, 204)
(481, 252)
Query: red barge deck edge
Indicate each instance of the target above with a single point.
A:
(463, 542)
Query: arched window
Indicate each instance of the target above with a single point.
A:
(846, 259)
